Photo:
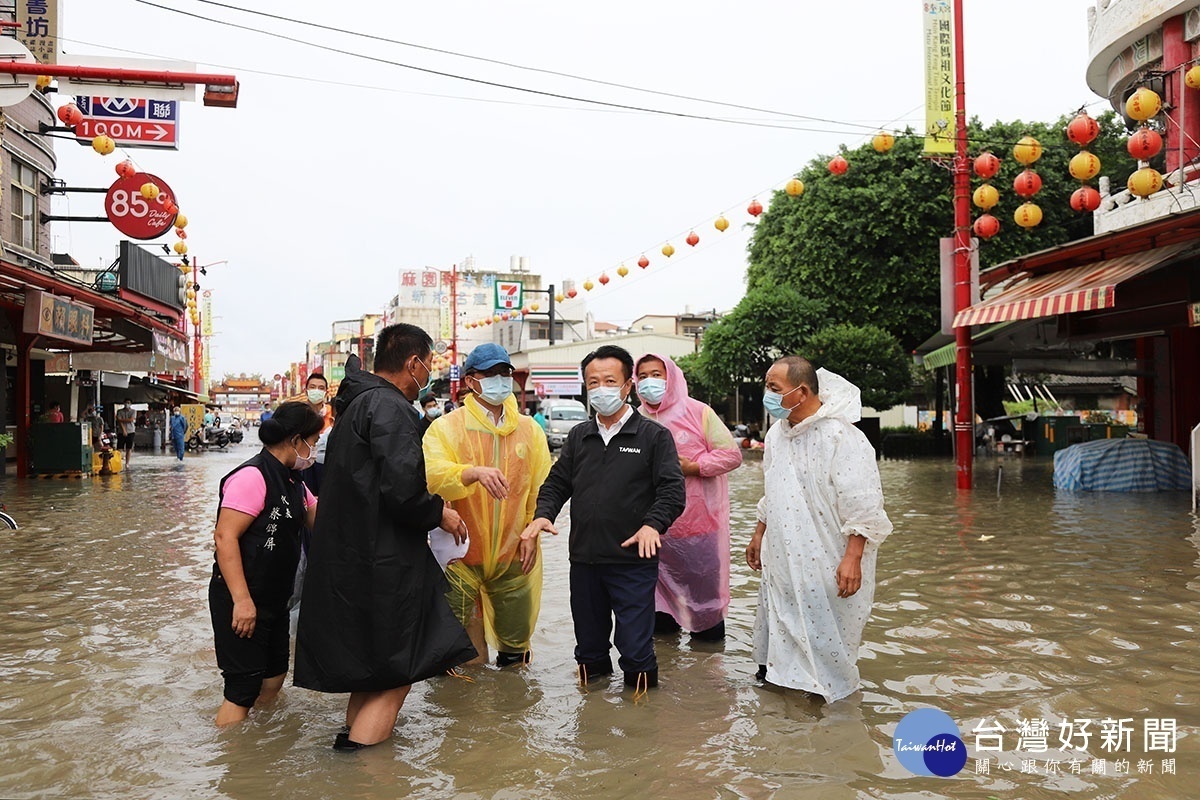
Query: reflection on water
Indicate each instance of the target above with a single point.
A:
(1008, 605)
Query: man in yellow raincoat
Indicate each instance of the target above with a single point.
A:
(489, 461)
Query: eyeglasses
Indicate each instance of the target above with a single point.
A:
(500, 370)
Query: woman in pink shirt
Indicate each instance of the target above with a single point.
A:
(263, 504)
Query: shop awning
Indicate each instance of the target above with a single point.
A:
(1083, 288)
(946, 355)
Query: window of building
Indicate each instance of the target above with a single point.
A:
(540, 329)
(24, 206)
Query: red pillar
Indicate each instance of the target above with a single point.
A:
(1183, 104)
(197, 344)
(964, 417)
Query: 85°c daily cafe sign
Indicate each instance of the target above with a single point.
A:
(57, 317)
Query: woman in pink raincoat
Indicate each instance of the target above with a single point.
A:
(693, 567)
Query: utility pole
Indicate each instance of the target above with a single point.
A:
(197, 340)
(964, 417)
(454, 333)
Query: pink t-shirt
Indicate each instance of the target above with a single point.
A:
(246, 491)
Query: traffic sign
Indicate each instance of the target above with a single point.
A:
(440, 347)
(131, 122)
(132, 214)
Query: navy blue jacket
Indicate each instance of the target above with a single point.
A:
(614, 490)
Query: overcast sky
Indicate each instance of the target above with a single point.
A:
(318, 195)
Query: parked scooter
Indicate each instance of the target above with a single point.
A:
(208, 439)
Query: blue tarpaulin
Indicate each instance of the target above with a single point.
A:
(1122, 465)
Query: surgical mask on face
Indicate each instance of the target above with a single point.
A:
(304, 462)
(606, 400)
(495, 388)
(773, 402)
(316, 396)
(429, 383)
(652, 390)
(433, 412)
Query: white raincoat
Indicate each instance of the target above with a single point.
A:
(821, 487)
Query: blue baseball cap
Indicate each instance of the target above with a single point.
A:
(486, 356)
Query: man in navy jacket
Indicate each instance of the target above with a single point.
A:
(622, 475)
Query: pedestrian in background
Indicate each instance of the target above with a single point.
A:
(263, 504)
(621, 473)
(373, 612)
(126, 427)
(693, 564)
(179, 429)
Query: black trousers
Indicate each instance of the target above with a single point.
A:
(601, 591)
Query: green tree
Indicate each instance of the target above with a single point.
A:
(867, 356)
(866, 243)
(693, 372)
(772, 319)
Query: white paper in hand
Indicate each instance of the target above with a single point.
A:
(445, 549)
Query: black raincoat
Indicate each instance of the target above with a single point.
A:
(373, 614)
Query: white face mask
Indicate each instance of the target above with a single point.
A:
(433, 412)
(307, 461)
(316, 396)
(495, 389)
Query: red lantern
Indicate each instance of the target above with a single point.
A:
(170, 207)
(181, 233)
(987, 165)
(986, 226)
(126, 168)
(488, 321)
(571, 293)
(643, 262)
(1083, 130)
(1145, 144)
(1027, 184)
(1085, 199)
(70, 115)
(754, 209)
(838, 165)
(692, 239)
(603, 278)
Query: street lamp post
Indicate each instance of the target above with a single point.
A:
(198, 343)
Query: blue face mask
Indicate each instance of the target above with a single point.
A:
(773, 403)
(495, 389)
(652, 390)
(606, 400)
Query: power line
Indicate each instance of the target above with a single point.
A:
(525, 67)
(484, 82)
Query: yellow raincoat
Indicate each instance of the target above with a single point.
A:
(489, 578)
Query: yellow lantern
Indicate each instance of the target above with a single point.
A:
(103, 144)
(1027, 151)
(986, 196)
(1192, 77)
(1028, 215)
(1145, 182)
(1084, 166)
(180, 220)
(588, 286)
(883, 141)
(191, 293)
(149, 190)
(44, 81)
(668, 250)
(794, 187)
(721, 224)
(1143, 104)
(559, 297)
(180, 247)
(622, 271)
(534, 306)
(184, 269)
(495, 318)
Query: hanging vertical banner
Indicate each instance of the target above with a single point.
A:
(38, 28)
(939, 77)
(206, 314)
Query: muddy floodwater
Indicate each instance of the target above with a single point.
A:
(1013, 604)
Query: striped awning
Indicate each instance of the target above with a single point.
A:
(1083, 288)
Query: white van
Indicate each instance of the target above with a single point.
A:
(561, 416)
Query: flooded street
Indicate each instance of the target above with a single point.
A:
(1009, 605)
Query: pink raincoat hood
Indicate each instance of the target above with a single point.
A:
(675, 402)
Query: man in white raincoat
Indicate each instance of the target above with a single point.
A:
(820, 523)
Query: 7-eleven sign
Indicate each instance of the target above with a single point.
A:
(510, 295)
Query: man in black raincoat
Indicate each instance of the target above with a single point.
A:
(373, 614)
